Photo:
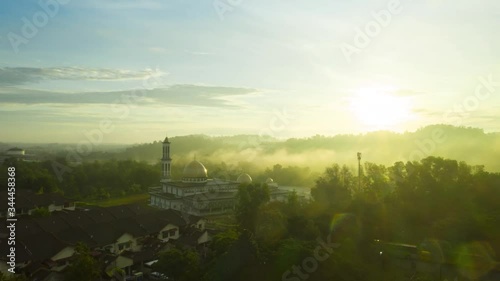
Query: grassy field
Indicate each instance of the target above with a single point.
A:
(131, 199)
(221, 222)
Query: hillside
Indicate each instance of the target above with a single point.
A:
(464, 144)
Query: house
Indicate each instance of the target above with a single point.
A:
(126, 235)
(28, 201)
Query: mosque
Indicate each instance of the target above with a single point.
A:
(196, 193)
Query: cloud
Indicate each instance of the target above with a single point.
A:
(183, 95)
(11, 76)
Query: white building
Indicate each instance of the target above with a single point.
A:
(195, 193)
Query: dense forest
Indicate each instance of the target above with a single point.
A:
(436, 199)
(105, 179)
(89, 180)
(450, 203)
(295, 162)
(449, 208)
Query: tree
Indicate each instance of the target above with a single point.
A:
(250, 197)
(40, 212)
(181, 265)
(223, 241)
(84, 267)
(333, 189)
(270, 224)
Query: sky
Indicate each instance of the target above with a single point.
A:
(133, 71)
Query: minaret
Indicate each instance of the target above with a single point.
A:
(359, 171)
(166, 160)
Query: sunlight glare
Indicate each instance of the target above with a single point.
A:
(380, 110)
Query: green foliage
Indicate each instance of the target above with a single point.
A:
(16, 277)
(238, 262)
(271, 223)
(181, 265)
(40, 212)
(87, 181)
(407, 202)
(83, 267)
(35, 176)
(223, 241)
(250, 197)
(291, 175)
(332, 191)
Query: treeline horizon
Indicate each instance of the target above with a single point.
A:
(468, 144)
(294, 162)
(471, 145)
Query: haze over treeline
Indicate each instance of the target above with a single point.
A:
(471, 145)
(294, 161)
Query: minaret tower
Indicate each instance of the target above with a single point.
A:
(166, 160)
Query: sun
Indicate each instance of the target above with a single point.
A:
(378, 109)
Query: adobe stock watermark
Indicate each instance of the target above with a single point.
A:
(364, 36)
(225, 6)
(486, 87)
(95, 137)
(31, 26)
(310, 264)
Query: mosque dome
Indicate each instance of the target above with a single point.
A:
(269, 180)
(244, 178)
(194, 171)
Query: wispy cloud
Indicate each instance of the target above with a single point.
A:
(184, 95)
(11, 76)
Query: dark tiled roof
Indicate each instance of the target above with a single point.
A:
(76, 218)
(142, 209)
(41, 238)
(103, 233)
(26, 226)
(120, 212)
(129, 225)
(190, 237)
(149, 223)
(75, 234)
(170, 216)
(52, 224)
(190, 240)
(100, 215)
(26, 199)
(142, 256)
(46, 274)
(41, 247)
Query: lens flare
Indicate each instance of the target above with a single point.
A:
(475, 260)
(339, 220)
